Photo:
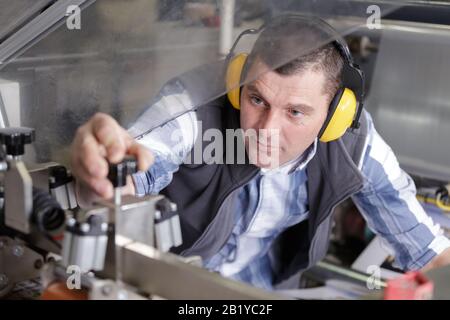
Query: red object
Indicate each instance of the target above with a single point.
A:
(60, 291)
(410, 286)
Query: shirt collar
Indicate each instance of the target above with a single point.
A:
(295, 164)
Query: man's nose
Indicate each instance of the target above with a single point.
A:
(269, 124)
(270, 120)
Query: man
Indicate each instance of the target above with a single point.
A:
(265, 222)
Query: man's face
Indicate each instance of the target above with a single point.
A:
(294, 107)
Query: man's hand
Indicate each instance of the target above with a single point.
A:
(97, 142)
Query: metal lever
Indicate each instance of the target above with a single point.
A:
(117, 174)
(17, 182)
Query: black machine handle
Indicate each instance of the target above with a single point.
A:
(118, 172)
(14, 139)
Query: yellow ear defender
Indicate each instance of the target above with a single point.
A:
(233, 78)
(340, 116)
(345, 108)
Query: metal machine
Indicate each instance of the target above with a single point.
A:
(117, 249)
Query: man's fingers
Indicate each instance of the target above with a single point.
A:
(110, 135)
(143, 156)
(102, 187)
(90, 157)
(99, 141)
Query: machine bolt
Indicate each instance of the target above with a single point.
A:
(17, 251)
(38, 264)
(3, 280)
(3, 166)
(106, 290)
(85, 227)
(71, 222)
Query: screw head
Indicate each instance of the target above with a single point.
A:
(104, 227)
(18, 251)
(3, 280)
(85, 227)
(71, 222)
(3, 166)
(106, 290)
(38, 264)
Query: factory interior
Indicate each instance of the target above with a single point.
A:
(359, 210)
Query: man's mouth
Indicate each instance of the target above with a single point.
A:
(261, 144)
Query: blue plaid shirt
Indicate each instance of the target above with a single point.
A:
(277, 199)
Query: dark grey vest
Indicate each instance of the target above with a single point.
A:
(206, 195)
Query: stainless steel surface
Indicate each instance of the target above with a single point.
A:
(117, 197)
(40, 174)
(17, 263)
(120, 291)
(167, 276)
(167, 232)
(71, 195)
(86, 252)
(154, 274)
(108, 290)
(410, 98)
(4, 121)
(60, 194)
(18, 197)
(324, 271)
(137, 217)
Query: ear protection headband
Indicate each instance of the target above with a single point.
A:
(345, 107)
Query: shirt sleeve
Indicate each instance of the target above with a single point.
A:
(389, 205)
(170, 142)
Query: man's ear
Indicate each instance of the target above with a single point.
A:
(241, 88)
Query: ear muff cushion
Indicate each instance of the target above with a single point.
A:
(233, 78)
(340, 116)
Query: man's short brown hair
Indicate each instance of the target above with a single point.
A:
(291, 46)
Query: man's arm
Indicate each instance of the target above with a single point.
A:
(389, 205)
(171, 142)
(102, 140)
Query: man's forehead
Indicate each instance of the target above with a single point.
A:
(295, 84)
(263, 78)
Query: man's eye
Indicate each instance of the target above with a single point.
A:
(257, 101)
(295, 113)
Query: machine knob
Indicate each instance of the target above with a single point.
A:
(15, 139)
(118, 172)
